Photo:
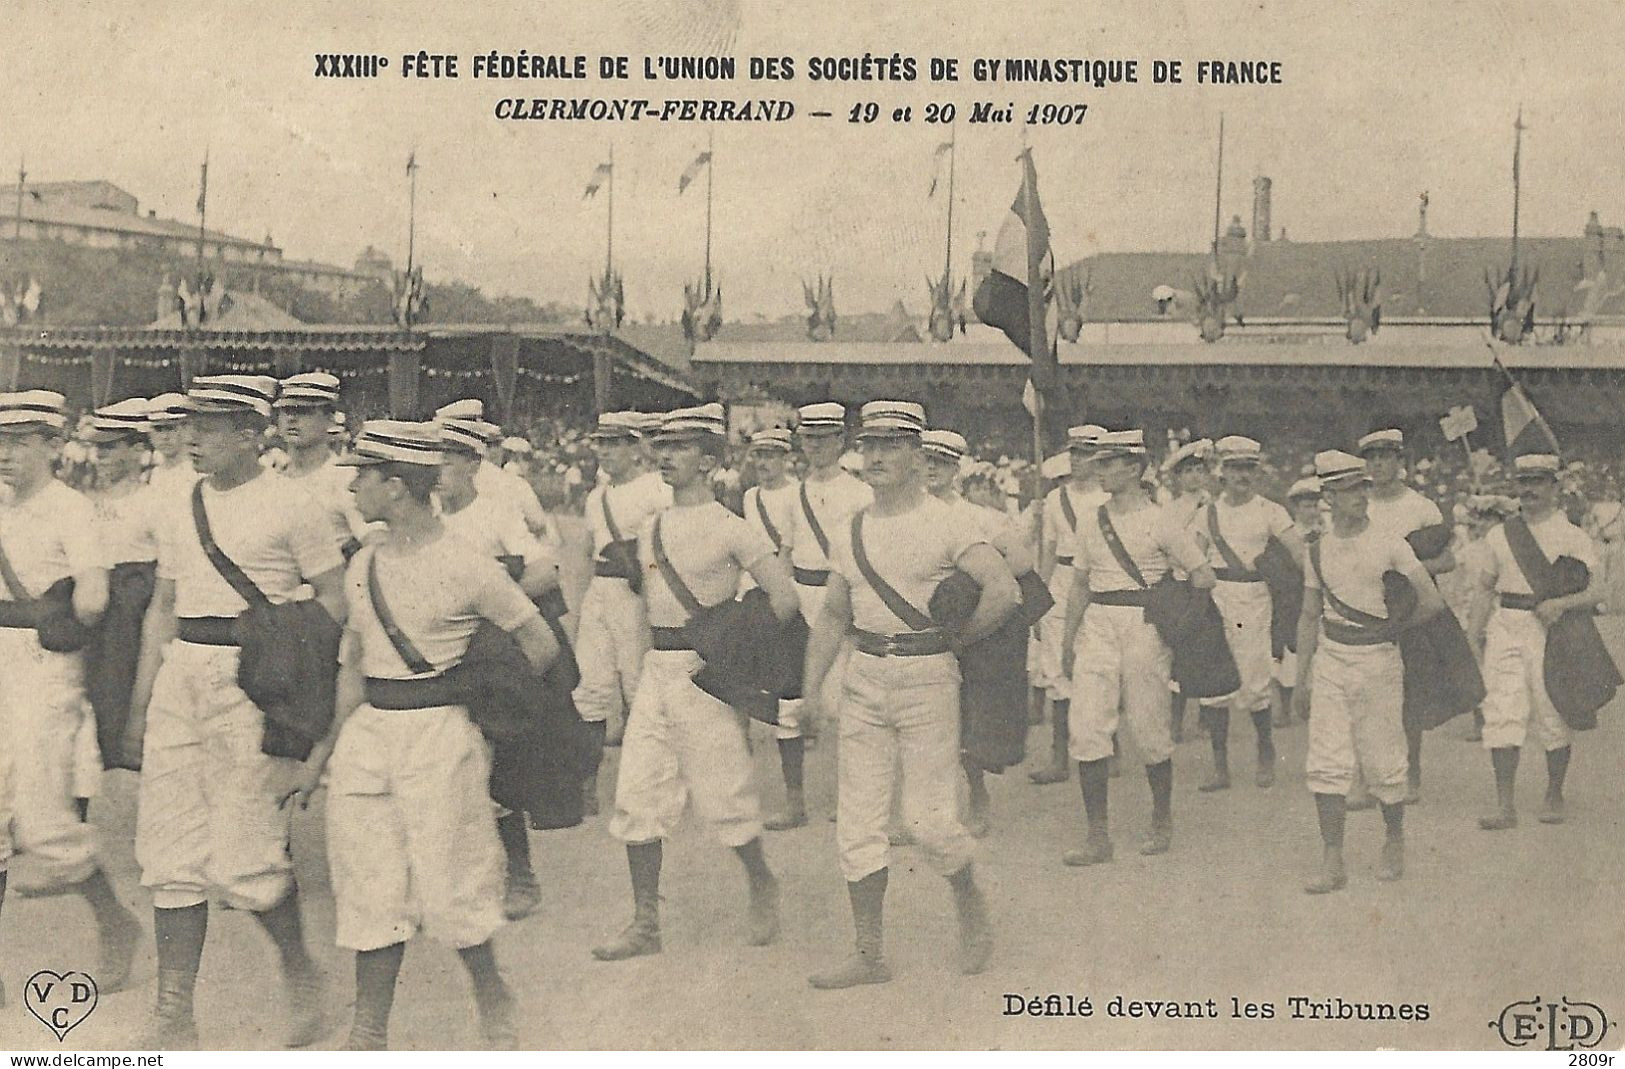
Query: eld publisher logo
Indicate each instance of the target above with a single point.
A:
(61, 1001)
(1562, 1025)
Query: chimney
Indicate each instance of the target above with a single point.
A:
(1261, 208)
(152, 213)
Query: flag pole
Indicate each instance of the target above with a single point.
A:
(609, 242)
(710, 173)
(1218, 190)
(948, 263)
(22, 176)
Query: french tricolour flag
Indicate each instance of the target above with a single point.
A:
(1013, 295)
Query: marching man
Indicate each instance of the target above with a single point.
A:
(771, 507)
(166, 430)
(212, 822)
(681, 743)
(1303, 500)
(1350, 678)
(1235, 529)
(900, 696)
(612, 634)
(410, 834)
(48, 533)
(1080, 495)
(1123, 665)
(493, 479)
(1186, 471)
(304, 409)
(1517, 702)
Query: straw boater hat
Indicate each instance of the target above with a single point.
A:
(772, 439)
(1196, 452)
(33, 412)
(891, 419)
(688, 424)
(122, 419)
(1084, 438)
(1536, 466)
(949, 445)
(824, 417)
(1389, 439)
(1115, 444)
(1238, 449)
(312, 389)
(395, 441)
(461, 436)
(1305, 487)
(166, 410)
(1337, 470)
(212, 394)
(618, 425)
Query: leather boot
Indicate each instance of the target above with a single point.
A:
(975, 930)
(1217, 719)
(642, 936)
(1505, 761)
(867, 963)
(1097, 848)
(1058, 768)
(171, 1026)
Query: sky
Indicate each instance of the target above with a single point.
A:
(1380, 101)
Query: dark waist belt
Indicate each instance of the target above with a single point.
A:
(552, 604)
(1237, 575)
(18, 614)
(1063, 562)
(908, 644)
(812, 576)
(1119, 597)
(608, 569)
(207, 630)
(1525, 602)
(401, 694)
(669, 638)
(1349, 635)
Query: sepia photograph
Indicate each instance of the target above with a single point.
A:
(714, 525)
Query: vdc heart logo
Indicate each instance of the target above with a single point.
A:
(61, 1001)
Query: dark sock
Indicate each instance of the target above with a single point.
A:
(1413, 754)
(755, 862)
(82, 807)
(1332, 809)
(375, 975)
(481, 963)
(178, 934)
(515, 844)
(792, 759)
(1063, 725)
(975, 780)
(283, 923)
(1266, 737)
(103, 901)
(1557, 770)
(1286, 698)
(599, 730)
(1217, 719)
(1505, 761)
(1393, 820)
(1095, 779)
(1161, 778)
(2, 887)
(643, 861)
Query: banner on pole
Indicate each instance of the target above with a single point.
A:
(1459, 423)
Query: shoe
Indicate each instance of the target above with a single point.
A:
(764, 915)
(1551, 812)
(1392, 865)
(1053, 774)
(1265, 776)
(1333, 877)
(1413, 794)
(523, 897)
(978, 824)
(171, 1026)
(1159, 841)
(639, 938)
(857, 969)
(497, 1031)
(1219, 782)
(1500, 820)
(1094, 852)
(1360, 803)
(115, 954)
(306, 994)
(975, 930)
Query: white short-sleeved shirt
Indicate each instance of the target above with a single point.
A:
(1154, 539)
(1058, 532)
(912, 551)
(270, 526)
(1402, 515)
(1246, 528)
(437, 595)
(782, 506)
(498, 482)
(127, 523)
(50, 536)
(834, 502)
(1354, 567)
(708, 546)
(173, 479)
(329, 485)
(497, 530)
(1555, 535)
(1003, 531)
(631, 503)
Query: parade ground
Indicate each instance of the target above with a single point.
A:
(1480, 920)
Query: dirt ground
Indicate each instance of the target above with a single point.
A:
(1479, 921)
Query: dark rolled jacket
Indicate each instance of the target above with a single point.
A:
(1580, 674)
(992, 671)
(1189, 622)
(752, 659)
(289, 668)
(112, 654)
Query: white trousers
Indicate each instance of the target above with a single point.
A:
(1052, 639)
(42, 703)
(899, 717)
(211, 822)
(611, 638)
(1247, 614)
(411, 832)
(1356, 725)
(1122, 671)
(683, 744)
(1515, 683)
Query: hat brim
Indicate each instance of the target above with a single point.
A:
(1344, 482)
(1380, 447)
(821, 429)
(220, 408)
(303, 402)
(31, 427)
(614, 436)
(887, 434)
(1535, 476)
(1118, 454)
(1240, 462)
(362, 460)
